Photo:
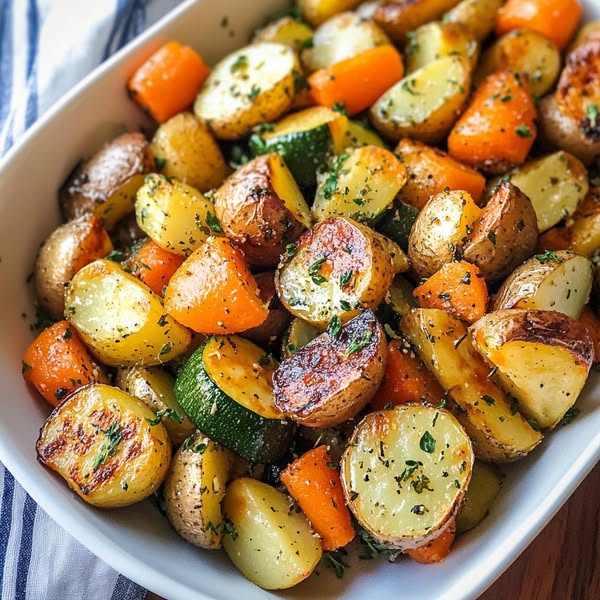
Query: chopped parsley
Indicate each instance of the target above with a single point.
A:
(240, 63)
(411, 467)
(592, 114)
(335, 327)
(488, 399)
(167, 412)
(345, 278)
(114, 436)
(213, 223)
(254, 92)
(427, 443)
(300, 82)
(547, 256)
(314, 273)
(570, 415)
(360, 343)
(331, 182)
(228, 528)
(116, 256)
(523, 131)
(335, 560)
(189, 445)
(340, 107)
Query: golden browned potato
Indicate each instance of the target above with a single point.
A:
(107, 183)
(478, 15)
(401, 16)
(195, 488)
(317, 11)
(584, 231)
(288, 31)
(590, 32)
(299, 334)
(184, 149)
(505, 234)
(261, 209)
(441, 228)
(101, 442)
(66, 250)
(332, 378)
(405, 472)
(541, 357)
(337, 268)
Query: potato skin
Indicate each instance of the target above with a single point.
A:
(252, 214)
(505, 235)
(330, 380)
(66, 250)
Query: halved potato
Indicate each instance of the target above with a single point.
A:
(585, 228)
(195, 488)
(343, 36)
(588, 33)
(261, 209)
(555, 184)
(184, 149)
(505, 234)
(272, 544)
(120, 319)
(337, 268)
(499, 433)
(101, 442)
(299, 334)
(560, 281)
(286, 30)
(334, 376)
(529, 53)
(441, 228)
(400, 296)
(425, 104)
(542, 358)
(317, 11)
(155, 388)
(67, 249)
(106, 184)
(252, 85)
(405, 472)
(479, 16)
(174, 215)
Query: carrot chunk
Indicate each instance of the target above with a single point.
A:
(315, 483)
(592, 322)
(168, 81)
(436, 550)
(155, 266)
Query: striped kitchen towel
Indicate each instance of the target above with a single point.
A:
(46, 46)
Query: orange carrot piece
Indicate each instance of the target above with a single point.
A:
(436, 550)
(431, 171)
(168, 81)
(406, 379)
(556, 19)
(357, 81)
(214, 292)
(592, 322)
(497, 129)
(155, 266)
(557, 238)
(315, 484)
(458, 288)
(58, 362)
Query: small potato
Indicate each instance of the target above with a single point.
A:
(337, 268)
(106, 184)
(505, 234)
(155, 388)
(261, 209)
(479, 16)
(440, 229)
(529, 53)
(184, 149)
(298, 335)
(590, 32)
(318, 11)
(68, 248)
(332, 378)
(101, 442)
(195, 488)
(286, 30)
(120, 319)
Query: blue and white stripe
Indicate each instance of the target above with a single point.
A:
(47, 46)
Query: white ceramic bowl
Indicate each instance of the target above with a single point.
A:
(137, 541)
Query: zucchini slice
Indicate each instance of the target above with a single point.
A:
(405, 472)
(225, 390)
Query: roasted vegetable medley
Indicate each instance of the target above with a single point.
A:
(347, 275)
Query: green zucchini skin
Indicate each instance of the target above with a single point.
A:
(397, 222)
(227, 422)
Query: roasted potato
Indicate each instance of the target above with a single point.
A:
(541, 357)
(499, 433)
(106, 184)
(400, 296)
(337, 268)
(584, 231)
(590, 32)
(441, 228)
(101, 442)
(195, 488)
(155, 388)
(286, 30)
(401, 16)
(425, 104)
(272, 545)
(479, 16)
(185, 150)
(299, 334)
(405, 472)
(505, 234)
(339, 38)
(555, 184)
(332, 378)
(529, 53)
(120, 319)
(174, 215)
(435, 40)
(252, 85)
(318, 11)
(261, 209)
(67, 249)
(559, 281)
